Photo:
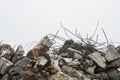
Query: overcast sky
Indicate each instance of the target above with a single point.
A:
(23, 21)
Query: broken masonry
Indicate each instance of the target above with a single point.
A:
(71, 61)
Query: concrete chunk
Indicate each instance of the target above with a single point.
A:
(98, 58)
(111, 53)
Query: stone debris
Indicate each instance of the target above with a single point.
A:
(111, 53)
(71, 61)
(98, 59)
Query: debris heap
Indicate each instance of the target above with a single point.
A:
(72, 61)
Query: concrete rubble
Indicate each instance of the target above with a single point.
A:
(72, 61)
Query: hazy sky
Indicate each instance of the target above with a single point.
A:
(23, 21)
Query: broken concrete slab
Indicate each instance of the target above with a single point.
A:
(111, 53)
(98, 58)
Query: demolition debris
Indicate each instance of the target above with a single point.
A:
(74, 60)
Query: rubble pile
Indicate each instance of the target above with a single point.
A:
(72, 61)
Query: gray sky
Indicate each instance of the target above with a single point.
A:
(23, 21)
